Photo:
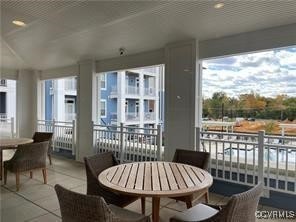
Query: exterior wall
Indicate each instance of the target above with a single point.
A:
(55, 95)
(9, 103)
(111, 103)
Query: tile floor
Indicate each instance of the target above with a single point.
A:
(38, 202)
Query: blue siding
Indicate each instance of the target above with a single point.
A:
(48, 100)
(111, 81)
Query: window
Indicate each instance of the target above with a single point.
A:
(70, 109)
(103, 81)
(3, 82)
(103, 108)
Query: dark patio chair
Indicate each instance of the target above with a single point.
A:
(94, 165)
(76, 207)
(197, 159)
(44, 136)
(241, 207)
(27, 157)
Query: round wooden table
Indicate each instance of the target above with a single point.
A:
(11, 143)
(156, 180)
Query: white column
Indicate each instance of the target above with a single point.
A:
(156, 108)
(26, 107)
(121, 97)
(59, 100)
(180, 78)
(141, 102)
(85, 108)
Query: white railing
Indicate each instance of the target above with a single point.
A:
(249, 158)
(132, 90)
(132, 117)
(6, 126)
(129, 144)
(149, 116)
(149, 91)
(63, 133)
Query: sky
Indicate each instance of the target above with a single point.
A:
(268, 73)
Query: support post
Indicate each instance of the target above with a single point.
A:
(121, 143)
(12, 127)
(159, 143)
(73, 137)
(261, 156)
(197, 136)
(53, 136)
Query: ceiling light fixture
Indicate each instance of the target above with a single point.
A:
(19, 23)
(219, 5)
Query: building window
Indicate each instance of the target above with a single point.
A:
(70, 110)
(103, 108)
(3, 82)
(103, 81)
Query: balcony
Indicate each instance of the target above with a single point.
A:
(132, 117)
(150, 116)
(150, 92)
(132, 90)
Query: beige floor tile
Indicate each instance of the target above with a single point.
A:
(165, 214)
(215, 198)
(80, 189)
(47, 218)
(57, 212)
(22, 213)
(11, 200)
(66, 181)
(136, 207)
(49, 203)
(163, 201)
(38, 192)
(177, 205)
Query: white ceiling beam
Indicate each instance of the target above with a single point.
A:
(277, 37)
(131, 61)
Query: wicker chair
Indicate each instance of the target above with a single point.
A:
(194, 158)
(27, 157)
(76, 207)
(44, 136)
(94, 165)
(241, 207)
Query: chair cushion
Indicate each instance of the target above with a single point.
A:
(127, 215)
(197, 213)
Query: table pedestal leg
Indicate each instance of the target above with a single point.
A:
(155, 209)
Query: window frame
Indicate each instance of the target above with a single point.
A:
(105, 106)
(105, 80)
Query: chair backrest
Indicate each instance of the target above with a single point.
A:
(94, 165)
(42, 136)
(99, 162)
(242, 207)
(34, 152)
(76, 207)
(194, 158)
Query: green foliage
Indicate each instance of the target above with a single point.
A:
(269, 127)
(250, 105)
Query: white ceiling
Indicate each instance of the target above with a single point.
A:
(60, 33)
